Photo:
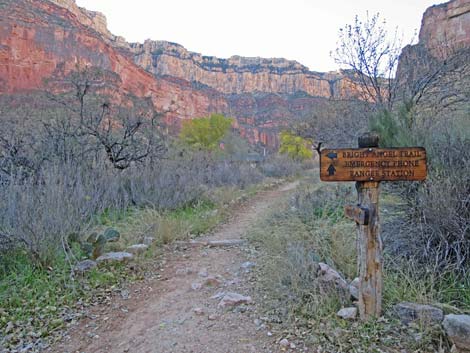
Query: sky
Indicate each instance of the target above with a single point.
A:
(301, 30)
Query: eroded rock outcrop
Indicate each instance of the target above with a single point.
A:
(40, 40)
(439, 63)
(237, 75)
(48, 38)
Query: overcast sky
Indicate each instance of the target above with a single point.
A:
(302, 30)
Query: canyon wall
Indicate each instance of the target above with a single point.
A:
(41, 39)
(237, 75)
(435, 72)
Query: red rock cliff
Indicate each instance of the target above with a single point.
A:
(44, 38)
(446, 26)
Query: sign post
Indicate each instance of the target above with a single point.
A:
(368, 165)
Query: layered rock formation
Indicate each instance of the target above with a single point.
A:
(237, 75)
(437, 68)
(40, 40)
(446, 27)
(48, 38)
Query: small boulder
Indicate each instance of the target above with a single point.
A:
(199, 311)
(234, 299)
(196, 286)
(114, 257)
(247, 266)
(409, 312)
(354, 288)
(457, 328)
(284, 342)
(203, 272)
(148, 240)
(328, 275)
(137, 249)
(85, 266)
(184, 271)
(212, 281)
(347, 313)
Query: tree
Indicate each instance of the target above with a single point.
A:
(127, 133)
(205, 133)
(371, 54)
(295, 147)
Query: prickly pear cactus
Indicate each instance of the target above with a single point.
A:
(112, 235)
(98, 246)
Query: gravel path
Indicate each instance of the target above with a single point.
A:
(188, 309)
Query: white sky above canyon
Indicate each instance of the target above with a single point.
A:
(301, 30)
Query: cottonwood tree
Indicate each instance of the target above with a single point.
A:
(205, 133)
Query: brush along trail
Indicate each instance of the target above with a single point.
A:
(202, 301)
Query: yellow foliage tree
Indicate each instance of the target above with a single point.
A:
(205, 133)
(296, 147)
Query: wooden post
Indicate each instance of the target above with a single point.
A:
(369, 243)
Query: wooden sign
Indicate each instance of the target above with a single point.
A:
(368, 165)
(358, 214)
(373, 164)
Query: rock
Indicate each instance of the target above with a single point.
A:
(199, 311)
(354, 288)
(234, 299)
(212, 282)
(125, 294)
(137, 249)
(409, 312)
(196, 286)
(148, 240)
(347, 313)
(457, 327)
(218, 295)
(328, 275)
(111, 257)
(184, 271)
(284, 342)
(203, 272)
(247, 266)
(213, 317)
(85, 266)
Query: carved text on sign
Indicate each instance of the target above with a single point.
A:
(373, 164)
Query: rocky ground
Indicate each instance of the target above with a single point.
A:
(202, 300)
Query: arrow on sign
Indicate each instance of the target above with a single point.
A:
(331, 170)
(332, 155)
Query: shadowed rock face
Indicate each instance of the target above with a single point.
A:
(440, 61)
(446, 26)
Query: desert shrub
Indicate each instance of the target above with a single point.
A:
(434, 231)
(280, 166)
(437, 226)
(306, 229)
(40, 212)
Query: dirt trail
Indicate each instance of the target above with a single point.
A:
(172, 314)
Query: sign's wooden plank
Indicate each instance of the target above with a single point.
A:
(358, 214)
(373, 164)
